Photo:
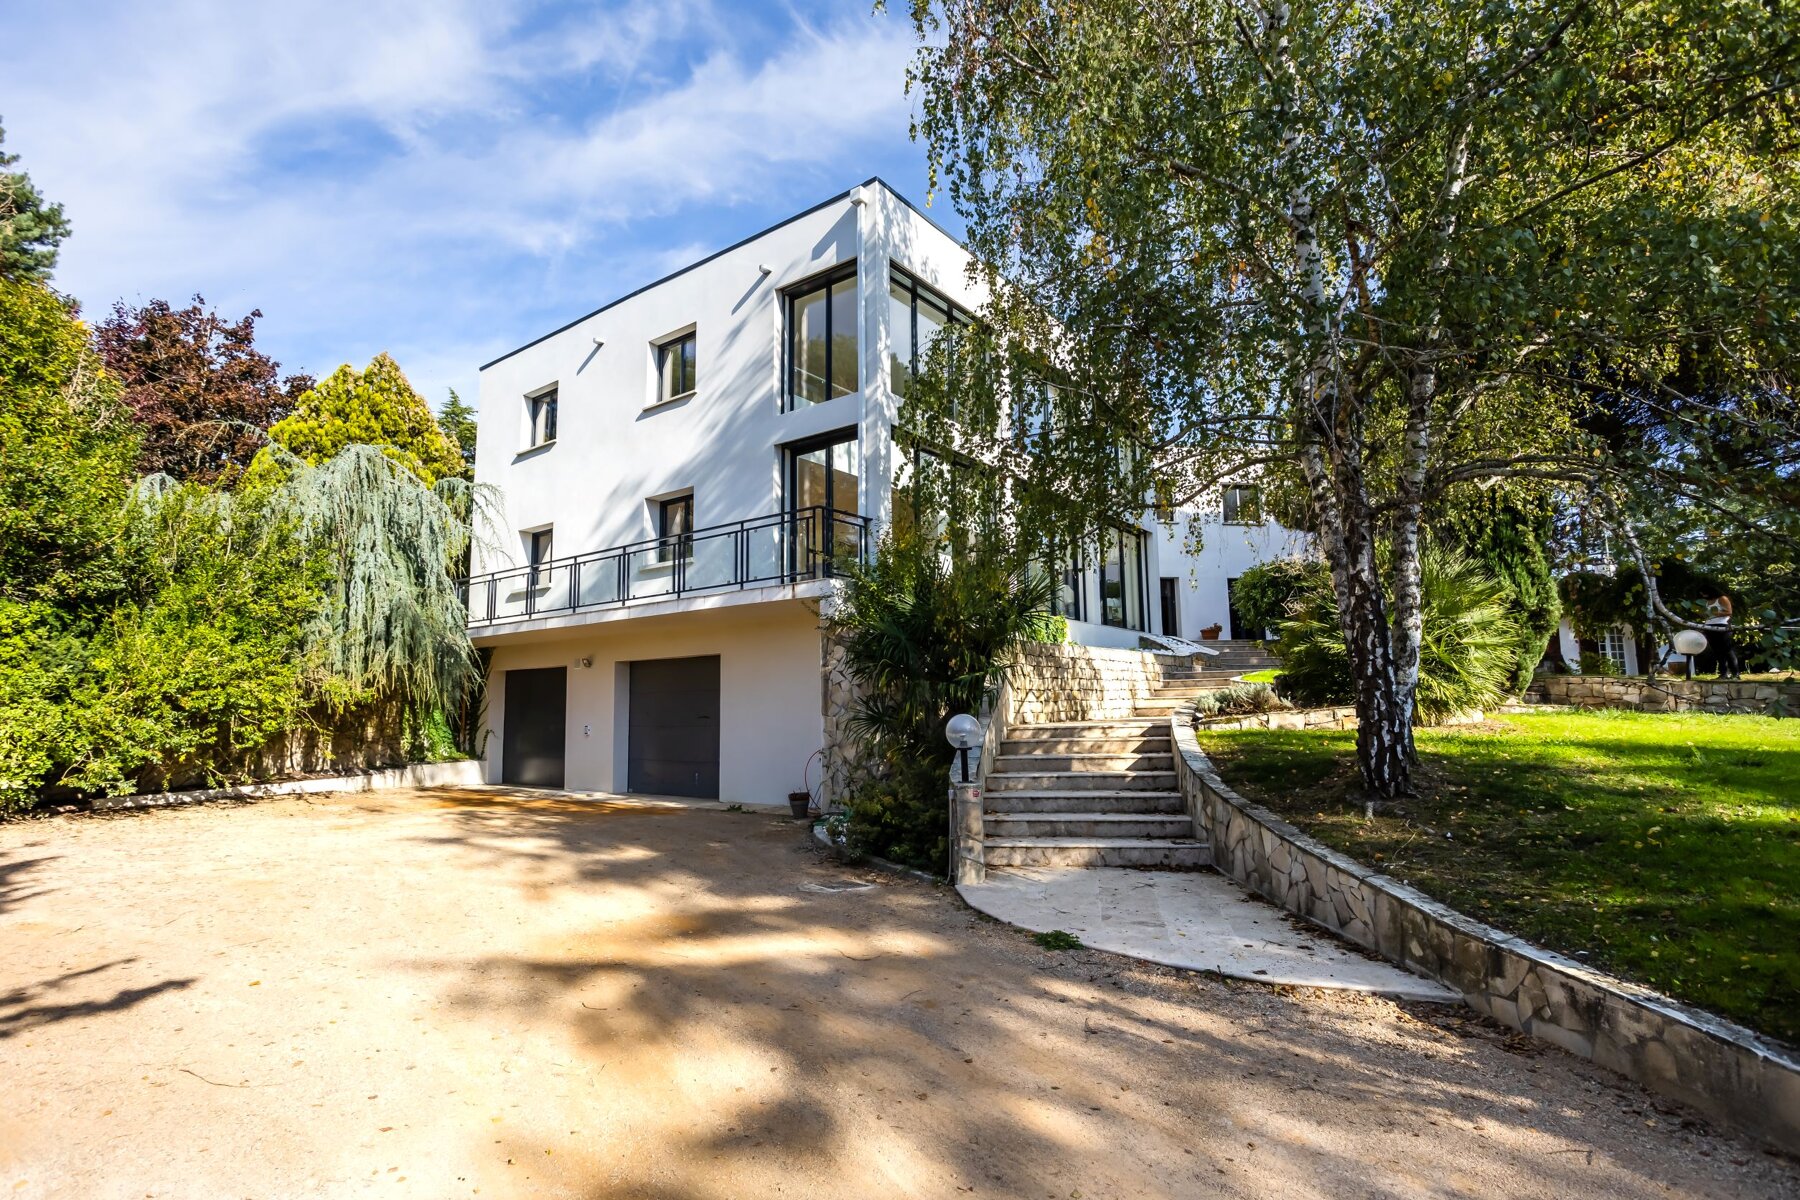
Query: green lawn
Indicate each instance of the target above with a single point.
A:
(1265, 676)
(1665, 848)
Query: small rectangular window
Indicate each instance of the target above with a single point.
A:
(675, 528)
(676, 367)
(822, 344)
(1243, 505)
(542, 408)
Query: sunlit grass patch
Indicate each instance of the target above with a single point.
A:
(1663, 847)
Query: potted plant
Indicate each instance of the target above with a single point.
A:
(1211, 632)
(801, 804)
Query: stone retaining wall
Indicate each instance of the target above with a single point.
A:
(462, 772)
(1670, 695)
(1067, 682)
(1722, 1069)
(1292, 718)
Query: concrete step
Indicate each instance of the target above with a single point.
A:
(1089, 825)
(1154, 706)
(1193, 689)
(1083, 781)
(1148, 742)
(1070, 800)
(1112, 727)
(1097, 852)
(1007, 764)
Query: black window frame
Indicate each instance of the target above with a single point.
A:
(674, 345)
(540, 413)
(791, 298)
(1072, 571)
(957, 315)
(849, 435)
(680, 543)
(1141, 582)
(1232, 508)
(540, 548)
(1168, 594)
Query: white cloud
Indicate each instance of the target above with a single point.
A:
(393, 173)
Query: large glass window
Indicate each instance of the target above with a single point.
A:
(823, 476)
(822, 343)
(1122, 579)
(916, 317)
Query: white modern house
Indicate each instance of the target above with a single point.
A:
(677, 471)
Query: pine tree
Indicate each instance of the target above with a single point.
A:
(30, 229)
(457, 420)
(373, 407)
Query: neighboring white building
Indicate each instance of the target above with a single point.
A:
(677, 468)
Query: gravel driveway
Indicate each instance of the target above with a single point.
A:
(455, 993)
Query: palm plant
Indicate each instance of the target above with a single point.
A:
(1467, 651)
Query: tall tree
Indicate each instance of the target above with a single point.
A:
(376, 407)
(203, 394)
(1373, 250)
(457, 420)
(30, 228)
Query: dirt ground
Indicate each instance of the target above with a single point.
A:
(441, 994)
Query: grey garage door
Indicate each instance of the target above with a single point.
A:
(674, 727)
(531, 750)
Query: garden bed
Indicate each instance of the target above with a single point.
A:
(1661, 847)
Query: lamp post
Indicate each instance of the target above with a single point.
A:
(1689, 642)
(963, 732)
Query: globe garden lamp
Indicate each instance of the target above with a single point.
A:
(963, 732)
(1690, 642)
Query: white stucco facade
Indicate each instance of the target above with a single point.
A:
(628, 462)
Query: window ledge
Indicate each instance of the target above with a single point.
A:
(656, 404)
(529, 451)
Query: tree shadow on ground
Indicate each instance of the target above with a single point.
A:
(25, 1007)
(744, 1034)
(15, 887)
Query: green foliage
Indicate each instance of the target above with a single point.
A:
(1499, 534)
(391, 623)
(30, 228)
(457, 420)
(1057, 939)
(373, 407)
(1467, 652)
(1595, 663)
(201, 663)
(66, 455)
(1264, 594)
(1240, 699)
(925, 635)
(1052, 628)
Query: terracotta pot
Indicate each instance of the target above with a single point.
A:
(1211, 633)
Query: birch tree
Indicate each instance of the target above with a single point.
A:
(1378, 254)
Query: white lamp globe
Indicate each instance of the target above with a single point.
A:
(1690, 641)
(963, 731)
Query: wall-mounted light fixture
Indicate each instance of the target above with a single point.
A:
(765, 268)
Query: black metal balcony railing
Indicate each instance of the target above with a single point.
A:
(807, 543)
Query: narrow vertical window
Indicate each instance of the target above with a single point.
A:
(542, 410)
(675, 528)
(540, 547)
(823, 354)
(1242, 505)
(917, 316)
(677, 368)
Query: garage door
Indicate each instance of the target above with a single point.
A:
(531, 750)
(674, 727)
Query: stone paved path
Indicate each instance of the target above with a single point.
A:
(1196, 920)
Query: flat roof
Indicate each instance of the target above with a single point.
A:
(837, 199)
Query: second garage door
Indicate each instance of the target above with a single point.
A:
(674, 727)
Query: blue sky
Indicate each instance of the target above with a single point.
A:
(440, 179)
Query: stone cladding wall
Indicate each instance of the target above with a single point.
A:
(1720, 1068)
(1670, 695)
(1067, 682)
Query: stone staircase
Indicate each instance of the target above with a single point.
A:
(1237, 657)
(1097, 793)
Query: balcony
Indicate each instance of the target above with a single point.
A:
(789, 547)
